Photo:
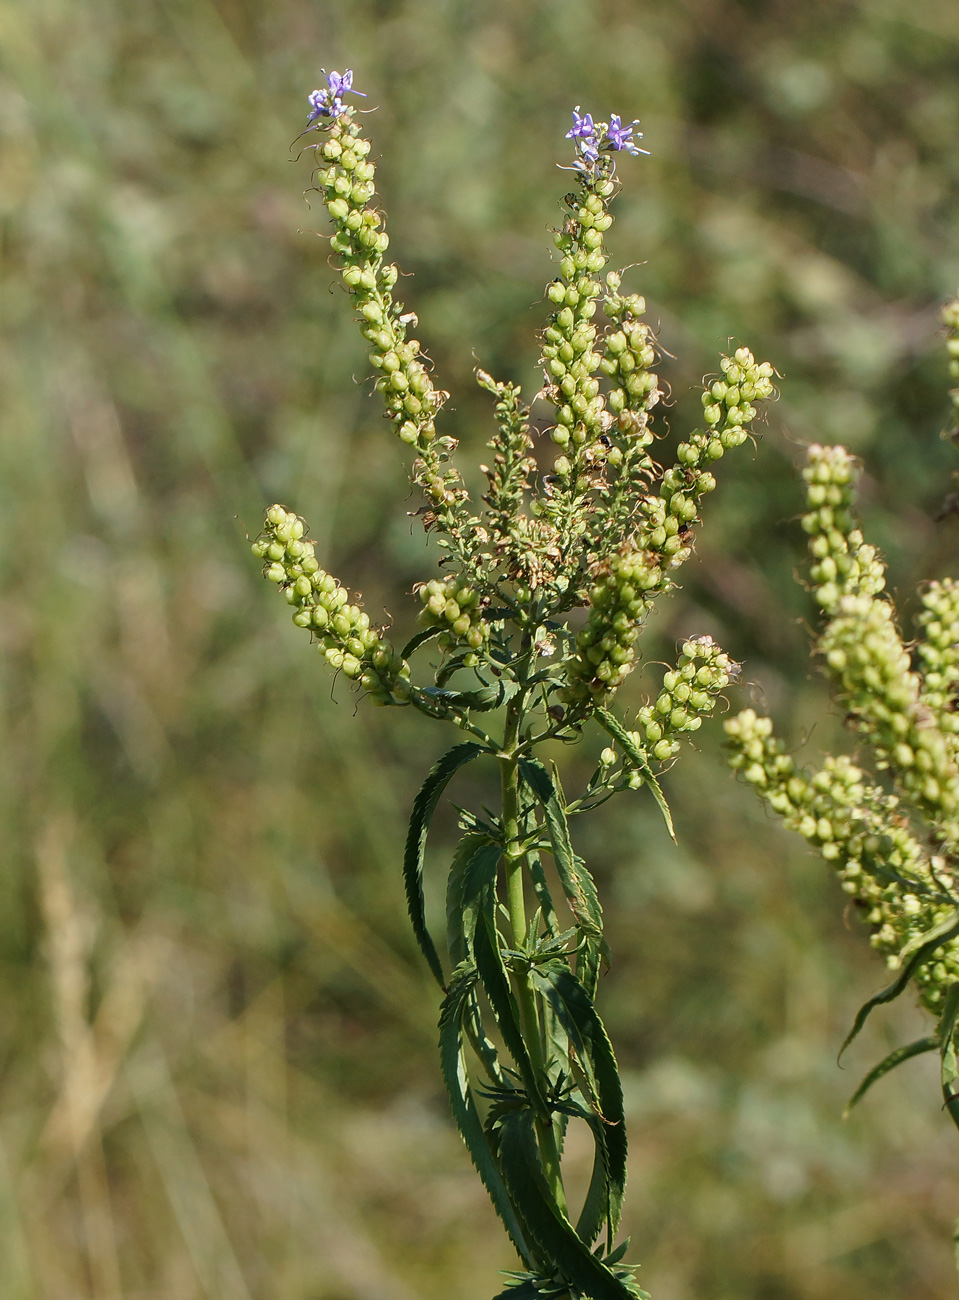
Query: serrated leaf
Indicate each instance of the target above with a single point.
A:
(468, 1120)
(420, 638)
(495, 980)
(424, 806)
(552, 1231)
(949, 1066)
(543, 896)
(640, 761)
(437, 699)
(890, 1062)
(920, 950)
(588, 963)
(577, 883)
(587, 1035)
(473, 867)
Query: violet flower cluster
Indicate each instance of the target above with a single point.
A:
(593, 138)
(328, 102)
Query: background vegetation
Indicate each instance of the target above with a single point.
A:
(217, 1073)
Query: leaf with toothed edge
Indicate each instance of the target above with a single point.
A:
(424, 806)
(587, 1036)
(577, 883)
(495, 981)
(472, 872)
(920, 950)
(906, 1053)
(640, 761)
(552, 1231)
(467, 1116)
(949, 1066)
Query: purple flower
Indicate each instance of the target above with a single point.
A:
(321, 105)
(583, 128)
(340, 85)
(327, 102)
(620, 137)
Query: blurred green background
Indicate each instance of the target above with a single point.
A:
(217, 1062)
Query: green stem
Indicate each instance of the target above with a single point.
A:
(514, 860)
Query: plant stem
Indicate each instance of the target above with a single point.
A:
(514, 861)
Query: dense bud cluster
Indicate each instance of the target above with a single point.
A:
(902, 700)
(457, 609)
(864, 652)
(728, 411)
(570, 355)
(689, 692)
(902, 892)
(938, 652)
(618, 602)
(345, 180)
(842, 562)
(321, 604)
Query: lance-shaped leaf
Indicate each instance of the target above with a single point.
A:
(472, 871)
(543, 896)
(424, 806)
(639, 760)
(545, 1221)
(577, 883)
(919, 950)
(949, 1068)
(905, 1053)
(587, 1036)
(466, 1115)
(418, 639)
(495, 980)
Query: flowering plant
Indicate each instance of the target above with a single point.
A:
(527, 634)
(894, 839)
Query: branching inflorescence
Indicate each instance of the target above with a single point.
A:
(602, 528)
(894, 840)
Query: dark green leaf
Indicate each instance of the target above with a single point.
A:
(473, 867)
(889, 1063)
(640, 760)
(481, 1044)
(424, 806)
(419, 639)
(949, 1068)
(545, 1221)
(468, 1119)
(588, 963)
(949, 1013)
(493, 974)
(577, 883)
(920, 950)
(587, 1036)
(440, 702)
(543, 895)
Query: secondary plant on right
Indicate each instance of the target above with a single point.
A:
(894, 838)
